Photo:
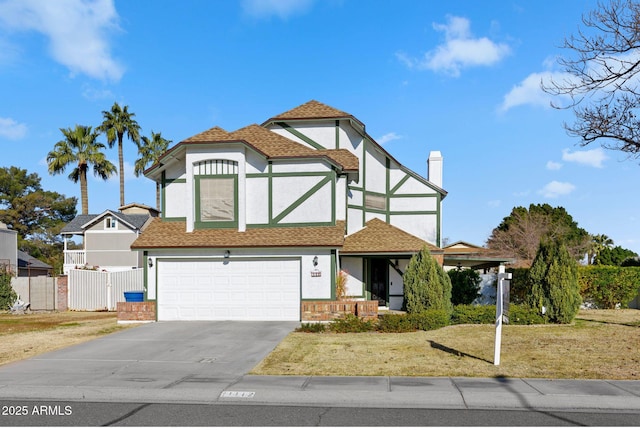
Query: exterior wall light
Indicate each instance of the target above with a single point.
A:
(227, 253)
(150, 262)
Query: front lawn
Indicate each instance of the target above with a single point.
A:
(597, 345)
(24, 336)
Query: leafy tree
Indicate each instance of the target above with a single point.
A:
(631, 262)
(116, 123)
(601, 77)
(80, 147)
(465, 286)
(27, 208)
(521, 232)
(614, 256)
(553, 279)
(36, 214)
(150, 151)
(426, 284)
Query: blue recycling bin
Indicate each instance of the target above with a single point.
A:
(134, 296)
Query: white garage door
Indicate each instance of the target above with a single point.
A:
(259, 290)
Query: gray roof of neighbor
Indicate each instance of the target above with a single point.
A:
(75, 226)
(25, 260)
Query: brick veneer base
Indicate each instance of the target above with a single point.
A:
(321, 310)
(136, 311)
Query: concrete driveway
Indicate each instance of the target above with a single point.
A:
(176, 360)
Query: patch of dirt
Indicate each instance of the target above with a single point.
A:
(28, 335)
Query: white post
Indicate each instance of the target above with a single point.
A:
(109, 291)
(498, 341)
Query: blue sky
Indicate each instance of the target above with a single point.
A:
(461, 77)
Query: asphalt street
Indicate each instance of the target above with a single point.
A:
(87, 414)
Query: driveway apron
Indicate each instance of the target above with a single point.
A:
(166, 356)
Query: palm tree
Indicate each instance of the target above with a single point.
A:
(599, 242)
(80, 147)
(150, 151)
(118, 122)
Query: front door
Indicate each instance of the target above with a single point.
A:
(379, 279)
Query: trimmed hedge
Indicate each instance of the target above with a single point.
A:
(427, 320)
(486, 314)
(471, 314)
(351, 324)
(396, 323)
(608, 286)
(605, 286)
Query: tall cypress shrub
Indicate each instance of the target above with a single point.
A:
(7, 295)
(553, 280)
(426, 284)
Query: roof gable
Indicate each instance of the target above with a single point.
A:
(214, 134)
(312, 109)
(267, 143)
(379, 237)
(82, 222)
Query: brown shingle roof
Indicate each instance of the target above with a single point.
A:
(271, 145)
(173, 234)
(214, 134)
(343, 157)
(380, 237)
(311, 110)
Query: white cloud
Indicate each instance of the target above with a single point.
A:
(556, 189)
(283, 9)
(592, 157)
(552, 165)
(529, 91)
(460, 50)
(494, 203)
(11, 129)
(77, 31)
(388, 138)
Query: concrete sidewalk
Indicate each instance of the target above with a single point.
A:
(389, 392)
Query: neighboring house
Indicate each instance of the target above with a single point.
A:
(258, 220)
(107, 238)
(465, 254)
(29, 266)
(8, 248)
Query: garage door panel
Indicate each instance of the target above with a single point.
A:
(233, 290)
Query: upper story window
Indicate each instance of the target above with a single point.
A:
(216, 183)
(110, 223)
(375, 201)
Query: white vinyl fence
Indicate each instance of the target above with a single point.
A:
(90, 290)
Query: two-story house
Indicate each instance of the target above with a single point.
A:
(258, 220)
(107, 238)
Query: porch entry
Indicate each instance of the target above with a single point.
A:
(379, 280)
